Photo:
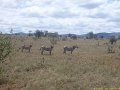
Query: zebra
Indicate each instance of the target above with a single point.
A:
(66, 48)
(26, 47)
(47, 48)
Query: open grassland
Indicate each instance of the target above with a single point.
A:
(89, 67)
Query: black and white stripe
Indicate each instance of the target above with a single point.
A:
(69, 48)
(26, 47)
(46, 48)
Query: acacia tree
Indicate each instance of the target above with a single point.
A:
(90, 35)
(113, 40)
(38, 33)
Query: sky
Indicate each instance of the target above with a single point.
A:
(62, 16)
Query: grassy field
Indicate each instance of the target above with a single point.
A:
(89, 67)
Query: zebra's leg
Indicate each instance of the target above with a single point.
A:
(42, 52)
(22, 49)
(64, 51)
(29, 50)
(50, 52)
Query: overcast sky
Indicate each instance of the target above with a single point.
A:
(63, 16)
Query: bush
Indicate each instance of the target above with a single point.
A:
(5, 50)
(5, 47)
(113, 40)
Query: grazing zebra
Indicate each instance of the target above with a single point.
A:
(66, 48)
(46, 48)
(26, 47)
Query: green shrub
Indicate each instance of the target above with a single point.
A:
(5, 47)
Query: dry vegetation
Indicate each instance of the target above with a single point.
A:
(89, 66)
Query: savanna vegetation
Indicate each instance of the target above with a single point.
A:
(89, 66)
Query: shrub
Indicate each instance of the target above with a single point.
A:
(113, 40)
(5, 47)
(5, 50)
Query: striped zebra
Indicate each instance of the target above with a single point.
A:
(46, 48)
(70, 48)
(26, 47)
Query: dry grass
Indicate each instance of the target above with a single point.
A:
(88, 67)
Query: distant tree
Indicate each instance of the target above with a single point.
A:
(38, 33)
(87, 37)
(74, 37)
(90, 35)
(69, 35)
(95, 36)
(11, 31)
(101, 37)
(112, 40)
(30, 33)
(45, 33)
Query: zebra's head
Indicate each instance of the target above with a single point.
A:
(52, 46)
(30, 45)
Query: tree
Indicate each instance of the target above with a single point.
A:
(45, 33)
(11, 31)
(90, 35)
(29, 33)
(101, 37)
(38, 33)
(74, 37)
(112, 40)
